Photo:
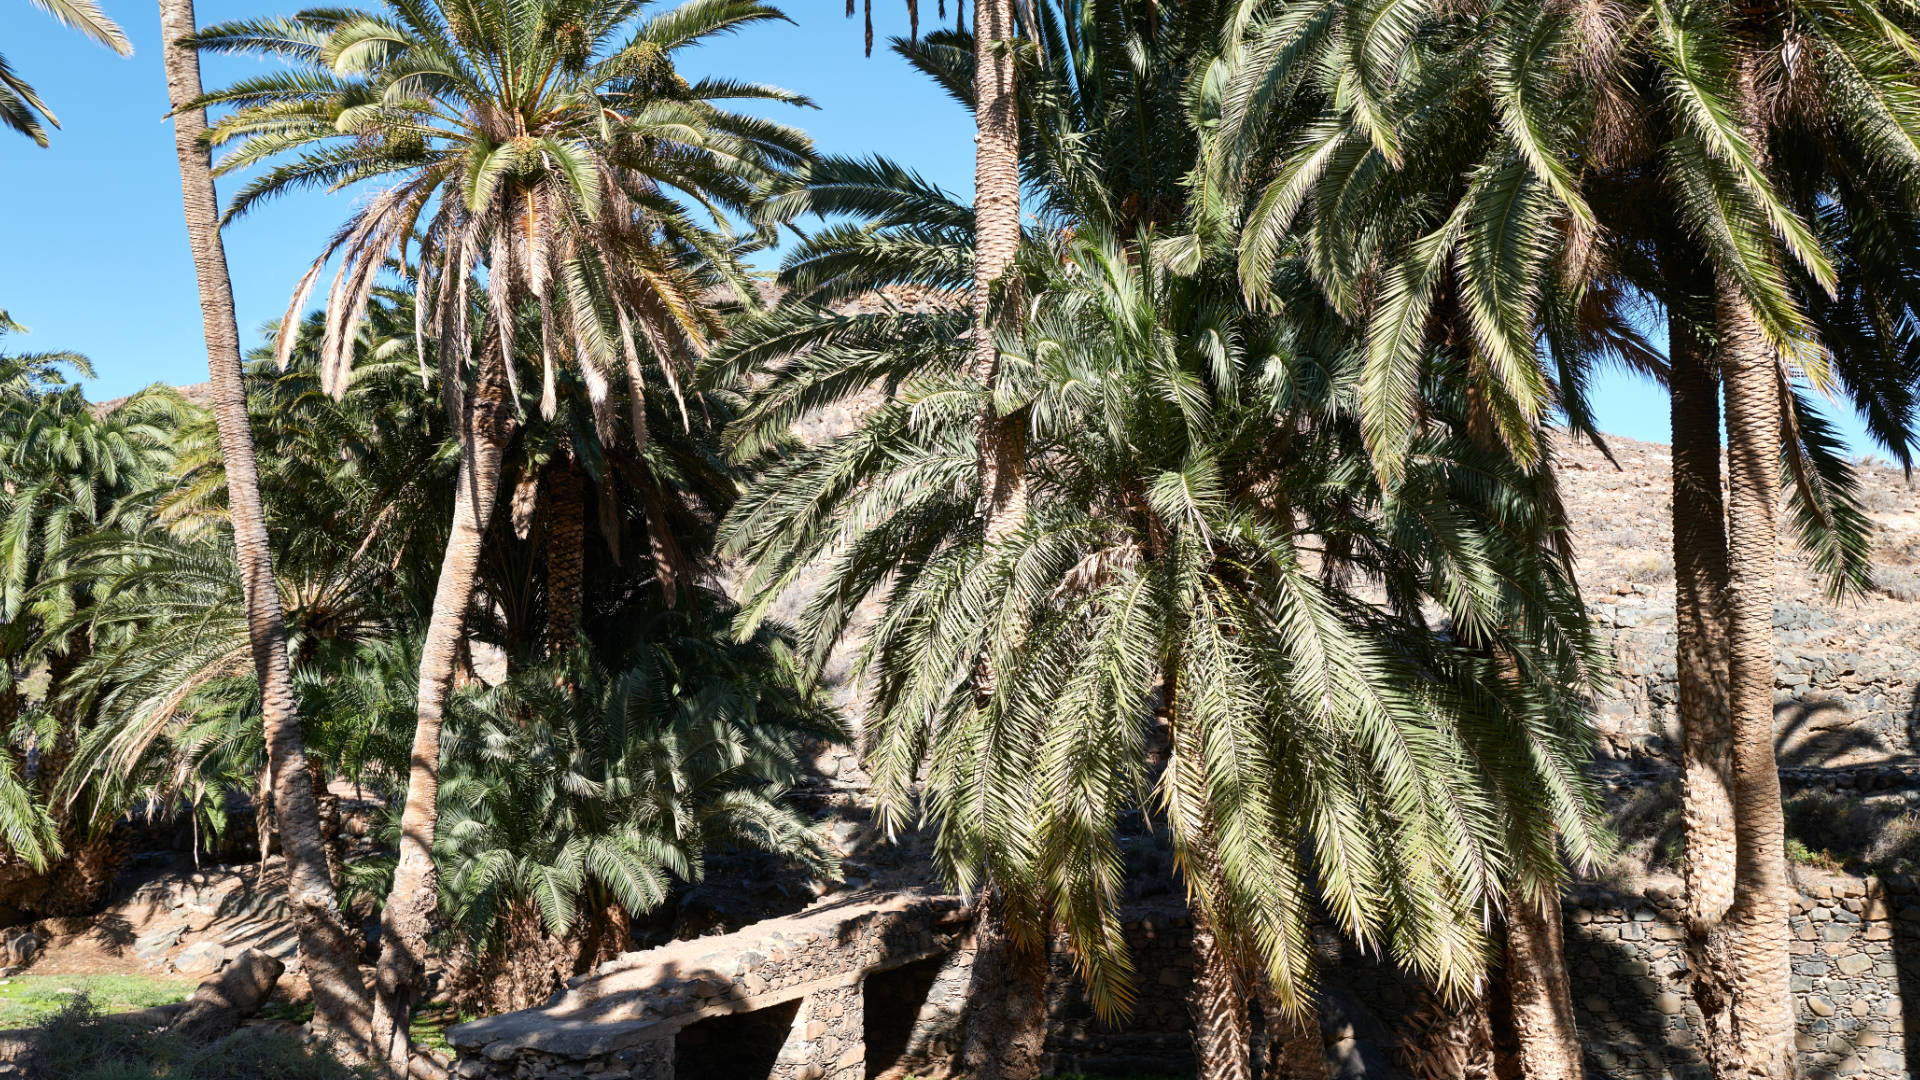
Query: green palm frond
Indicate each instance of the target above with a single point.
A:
(580, 780)
(1179, 487)
(20, 106)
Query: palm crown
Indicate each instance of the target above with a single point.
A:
(1200, 500)
(552, 142)
(1584, 160)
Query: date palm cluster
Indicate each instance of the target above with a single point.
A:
(1191, 488)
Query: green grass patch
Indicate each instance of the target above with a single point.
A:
(26, 1000)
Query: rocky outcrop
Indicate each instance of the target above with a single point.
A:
(223, 1001)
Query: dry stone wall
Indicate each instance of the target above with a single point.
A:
(1855, 949)
(1847, 669)
(1844, 692)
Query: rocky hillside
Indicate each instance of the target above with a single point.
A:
(198, 394)
(1848, 669)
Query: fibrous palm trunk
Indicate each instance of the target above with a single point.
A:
(1006, 1027)
(1749, 949)
(996, 240)
(1217, 996)
(1546, 1038)
(1450, 1040)
(1222, 1032)
(566, 527)
(1007, 1020)
(408, 916)
(1700, 652)
(327, 950)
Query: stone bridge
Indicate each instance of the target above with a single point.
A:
(796, 998)
(863, 987)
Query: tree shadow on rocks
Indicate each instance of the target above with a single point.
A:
(1913, 721)
(1626, 962)
(1817, 732)
(1903, 903)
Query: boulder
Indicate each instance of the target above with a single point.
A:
(201, 958)
(154, 944)
(224, 1000)
(22, 948)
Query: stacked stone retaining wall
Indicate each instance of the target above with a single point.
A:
(1856, 957)
(1844, 693)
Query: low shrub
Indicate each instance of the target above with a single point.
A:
(1649, 568)
(1870, 836)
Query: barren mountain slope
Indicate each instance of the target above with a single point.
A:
(1848, 668)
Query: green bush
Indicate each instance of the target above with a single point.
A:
(80, 1043)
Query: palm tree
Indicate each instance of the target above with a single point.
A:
(29, 375)
(359, 489)
(1006, 1030)
(556, 144)
(1767, 143)
(340, 999)
(1159, 580)
(71, 471)
(602, 508)
(20, 107)
(68, 473)
(579, 791)
(918, 238)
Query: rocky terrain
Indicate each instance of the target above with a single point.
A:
(1848, 669)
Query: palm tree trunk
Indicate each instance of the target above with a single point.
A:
(1750, 946)
(607, 930)
(566, 553)
(1541, 1000)
(1222, 1033)
(1007, 1004)
(996, 240)
(1216, 997)
(1450, 1040)
(1006, 1027)
(1700, 651)
(327, 950)
(408, 916)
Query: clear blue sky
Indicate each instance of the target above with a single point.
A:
(96, 255)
